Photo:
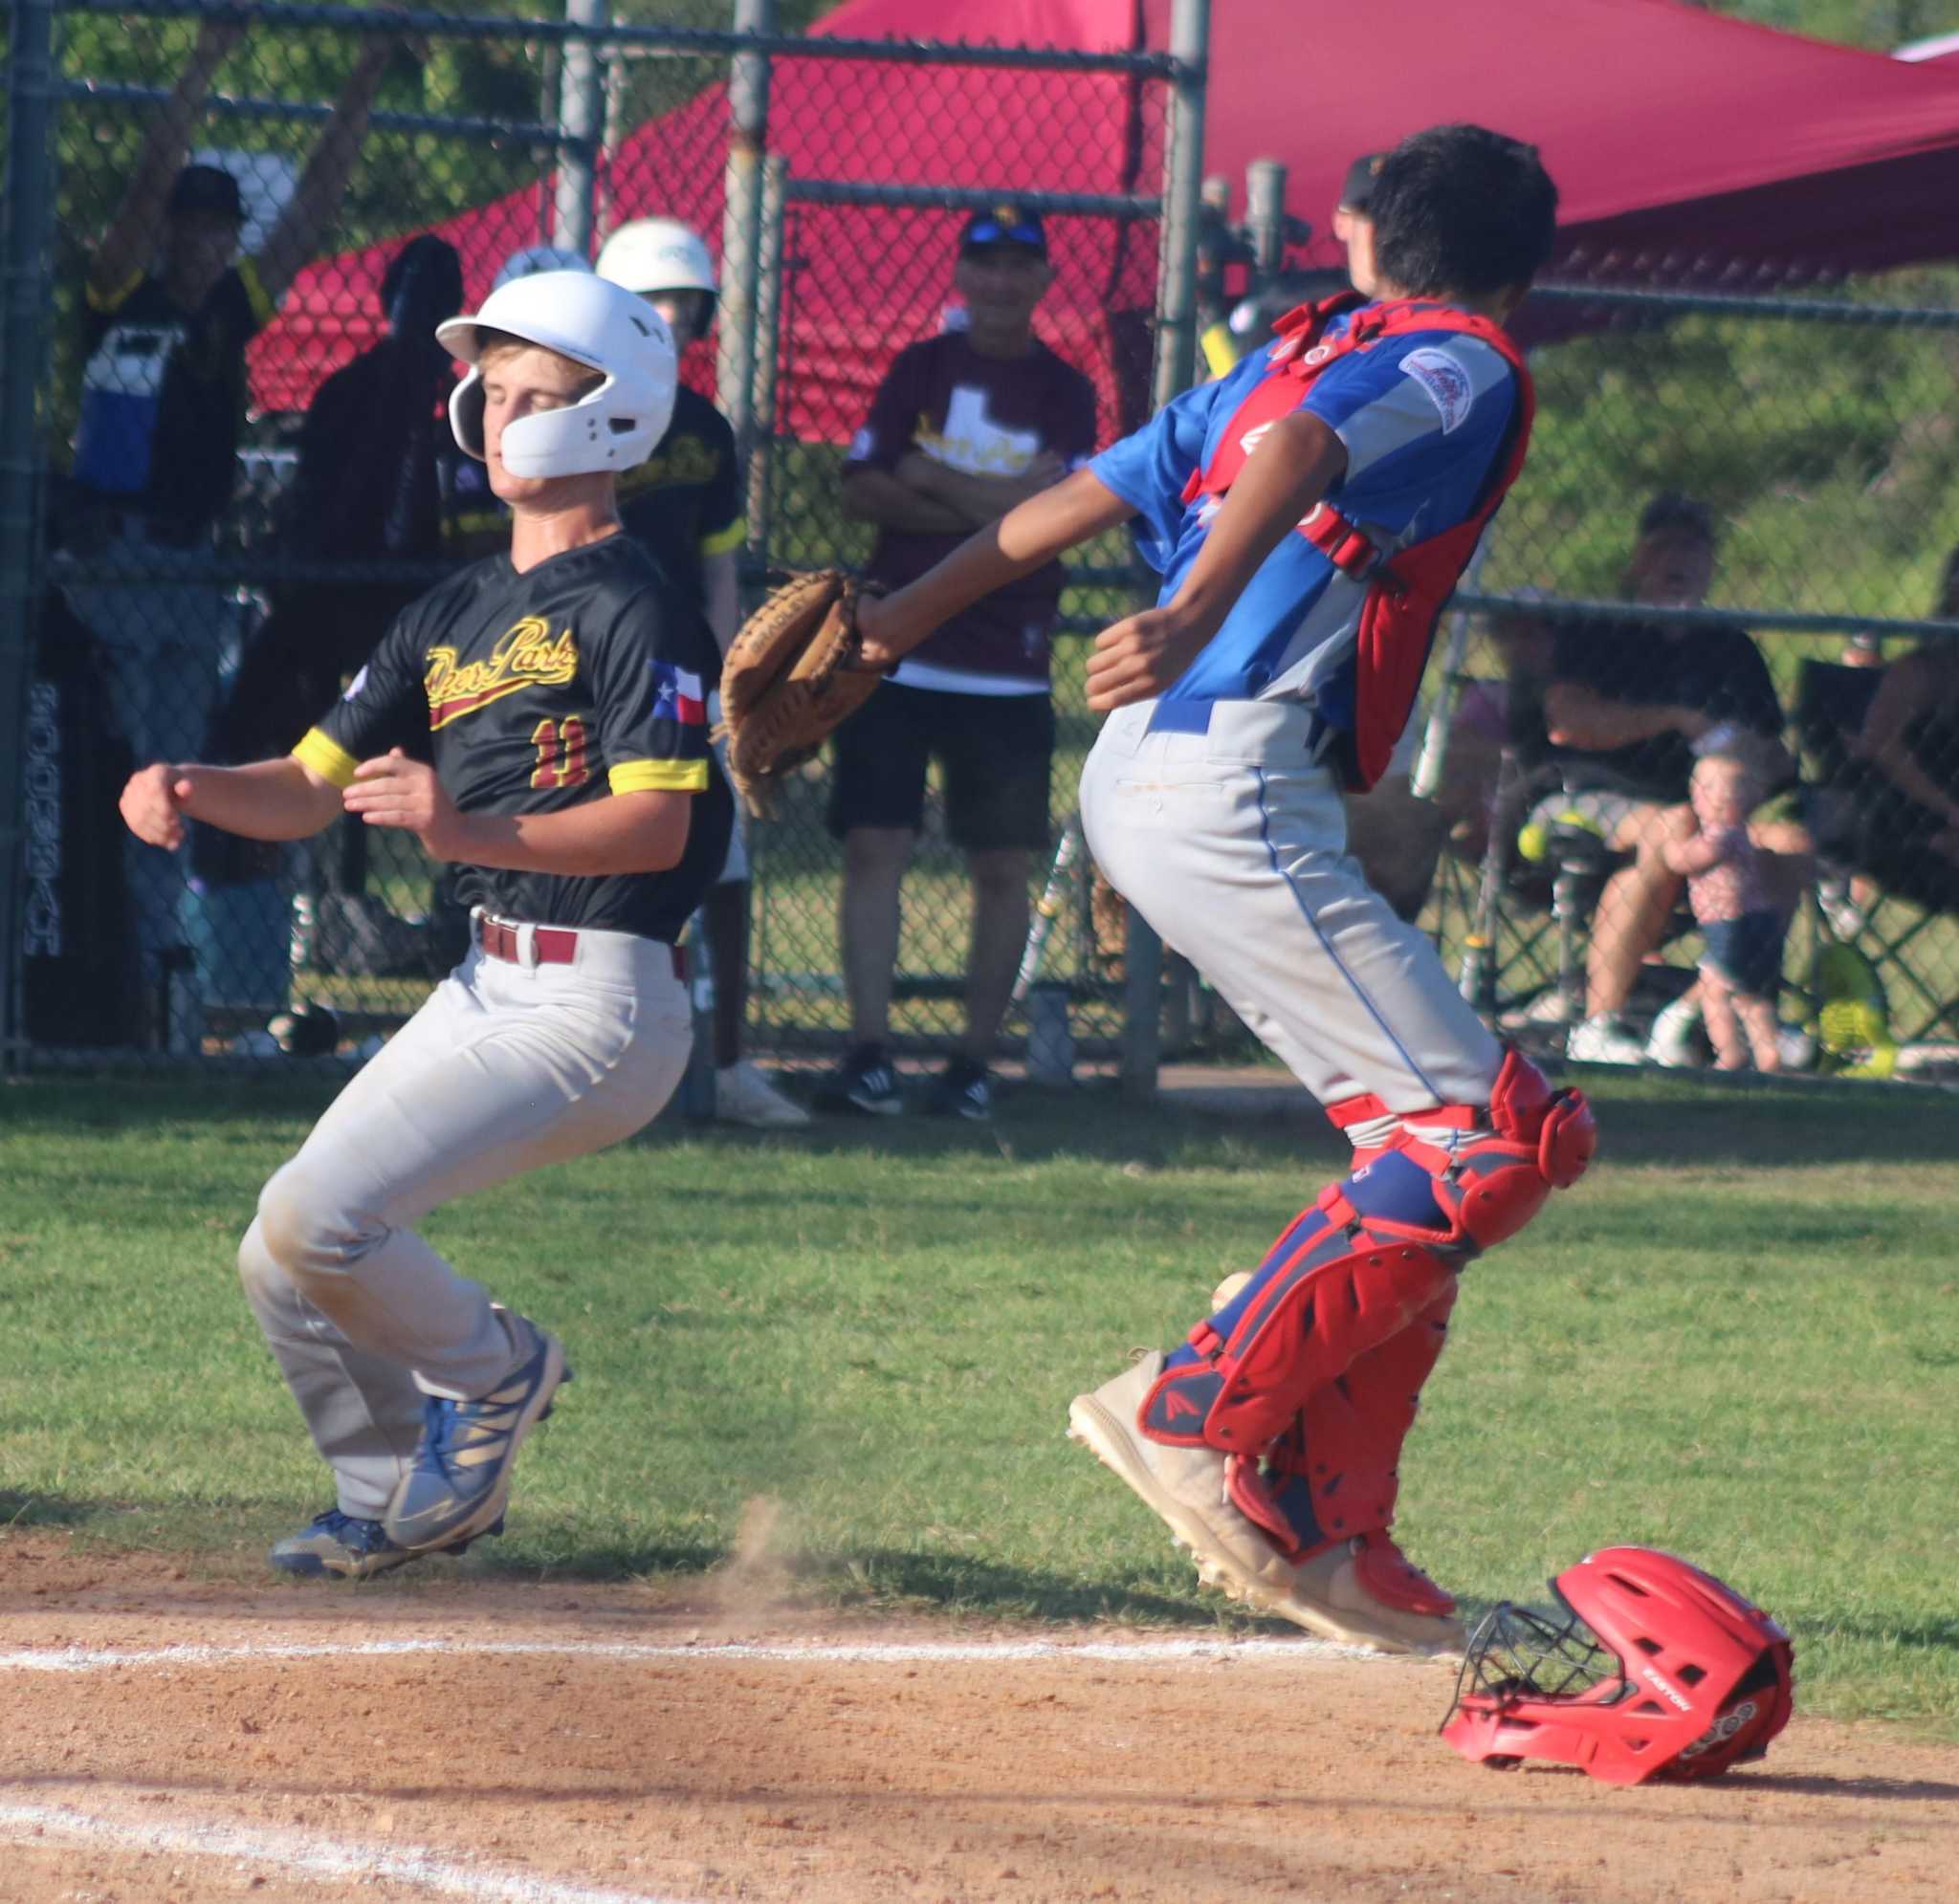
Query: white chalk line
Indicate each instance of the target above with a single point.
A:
(327, 1860)
(1268, 1651)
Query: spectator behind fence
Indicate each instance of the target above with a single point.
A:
(1735, 906)
(170, 310)
(965, 426)
(685, 503)
(376, 459)
(1250, 326)
(1622, 706)
(1910, 734)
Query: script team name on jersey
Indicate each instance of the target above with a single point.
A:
(527, 655)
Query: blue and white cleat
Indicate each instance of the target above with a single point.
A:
(460, 1477)
(343, 1547)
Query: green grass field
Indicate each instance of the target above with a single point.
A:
(1739, 1339)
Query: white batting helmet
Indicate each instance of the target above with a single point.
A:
(659, 255)
(535, 258)
(586, 319)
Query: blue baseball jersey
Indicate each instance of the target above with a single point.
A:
(1425, 417)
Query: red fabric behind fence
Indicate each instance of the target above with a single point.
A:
(1687, 147)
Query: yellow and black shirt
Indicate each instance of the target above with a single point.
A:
(684, 502)
(578, 679)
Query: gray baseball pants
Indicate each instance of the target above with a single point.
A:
(509, 1065)
(1232, 843)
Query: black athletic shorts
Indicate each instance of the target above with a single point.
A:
(994, 752)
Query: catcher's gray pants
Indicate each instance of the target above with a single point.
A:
(508, 1065)
(1232, 843)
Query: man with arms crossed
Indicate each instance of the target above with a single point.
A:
(965, 425)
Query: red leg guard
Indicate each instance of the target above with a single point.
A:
(1334, 1473)
(1374, 1252)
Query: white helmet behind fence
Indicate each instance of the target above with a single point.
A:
(535, 258)
(653, 255)
(586, 319)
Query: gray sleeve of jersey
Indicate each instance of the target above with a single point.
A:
(1433, 390)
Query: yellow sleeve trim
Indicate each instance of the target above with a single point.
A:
(326, 757)
(262, 306)
(116, 298)
(659, 776)
(723, 539)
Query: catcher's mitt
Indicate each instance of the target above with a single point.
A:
(788, 682)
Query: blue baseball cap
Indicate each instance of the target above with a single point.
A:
(1004, 224)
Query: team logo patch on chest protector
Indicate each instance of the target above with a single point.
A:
(528, 655)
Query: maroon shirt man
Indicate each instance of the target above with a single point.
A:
(965, 425)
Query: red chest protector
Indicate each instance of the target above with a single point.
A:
(1405, 596)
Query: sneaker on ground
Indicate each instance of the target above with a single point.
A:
(1673, 1042)
(1548, 1008)
(1182, 1486)
(742, 1095)
(1605, 1041)
(343, 1547)
(866, 1081)
(962, 1089)
(1797, 1047)
(459, 1480)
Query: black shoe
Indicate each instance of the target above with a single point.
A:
(863, 1082)
(962, 1089)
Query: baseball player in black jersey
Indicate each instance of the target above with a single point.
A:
(565, 770)
(685, 502)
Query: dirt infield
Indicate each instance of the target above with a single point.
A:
(468, 1735)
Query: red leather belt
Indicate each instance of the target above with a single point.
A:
(550, 945)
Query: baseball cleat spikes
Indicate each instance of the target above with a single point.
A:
(345, 1546)
(1327, 1600)
(459, 1480)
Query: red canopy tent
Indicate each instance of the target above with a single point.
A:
(1687, 147)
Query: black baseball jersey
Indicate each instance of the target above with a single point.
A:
(578, 679)
(684, 502)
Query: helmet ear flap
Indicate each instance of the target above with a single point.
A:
(466, 414)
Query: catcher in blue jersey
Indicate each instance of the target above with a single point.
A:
(1311, 513)
(539, 719)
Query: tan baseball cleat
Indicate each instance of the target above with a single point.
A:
(1182, 1486)
(1333, 1594)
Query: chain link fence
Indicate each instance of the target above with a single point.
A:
(224, 545)
(206, 593)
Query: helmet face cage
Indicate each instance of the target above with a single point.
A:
(1515, 1653)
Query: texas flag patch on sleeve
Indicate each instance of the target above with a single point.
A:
(678, 695)
(1445, 381)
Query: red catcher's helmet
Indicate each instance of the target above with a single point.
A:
(1659, 1671)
